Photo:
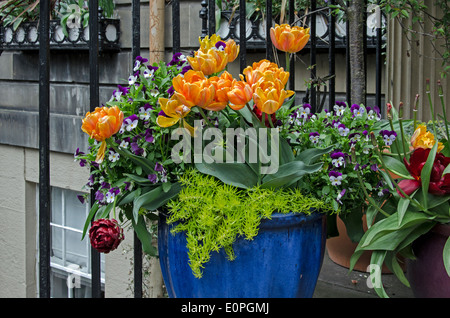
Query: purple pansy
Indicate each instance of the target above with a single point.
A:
(343, 131)
(335, 177)
(357, 110)
(338, 159)
(131, 122)
(388, 136)
(314, 137)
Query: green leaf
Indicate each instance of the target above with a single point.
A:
(137, 179)
(378, 236)
(236, 174)
(146, 164)
(402, 207)
(376, 262)
(446, 256)
(144, 235)
(288, 174)
(91, 215)
(310, 155)
(394, 266)
(426, 173)
(154, 199)
(397, 167)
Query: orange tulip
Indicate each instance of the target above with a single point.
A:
(174, 112)
(209, 63)
(269, 96)
(222, 86)
(193, 89)
(213, 55)
(289, 39)
(101, 125)
(240, 94)
(232, 50)
(259, 69)
(103, 122)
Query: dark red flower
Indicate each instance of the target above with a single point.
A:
(439, 184)
(105, 235)
(258, 114)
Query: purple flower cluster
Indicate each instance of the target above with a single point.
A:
(159, 175)
(389, 136)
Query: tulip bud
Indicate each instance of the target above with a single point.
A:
(388, 110)
(400, 110)
(353, 155)
(373, 139)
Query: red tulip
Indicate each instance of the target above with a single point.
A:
(439, 183)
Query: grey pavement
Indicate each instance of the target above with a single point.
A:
(335, 281)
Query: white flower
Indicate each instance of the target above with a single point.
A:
(110, 197)
(123, 144)
(144, 113)
(132, 79)
(339, 110)
(148, 73)
(338, 162)
(335, 180)
(137, 64)
(113, 156)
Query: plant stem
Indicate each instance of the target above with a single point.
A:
(204, 117)
(415, 111)
(253, 113)
(287, 65)
(400, 122)
(368, 197)
(431, 107)
(441, 97)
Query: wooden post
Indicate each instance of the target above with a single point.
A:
(156, 31)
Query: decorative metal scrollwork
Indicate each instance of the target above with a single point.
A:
(26, 36)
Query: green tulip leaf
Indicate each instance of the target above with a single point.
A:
(397, 167)
(446, 256)
(426, 173)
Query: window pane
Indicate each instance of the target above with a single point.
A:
(75, 211)
(57, 244)
(76, 249)
(56, 206)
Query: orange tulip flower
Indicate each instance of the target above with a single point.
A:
(213, 55)
(222, 86)
(174, 112)
(269, 96)
(232, 50)
(259, 69)
(209, 63)
(193, 89)
(240, 94)
(101, 125)
(289, 39)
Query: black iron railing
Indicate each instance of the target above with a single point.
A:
(25, 37)
(208, 27)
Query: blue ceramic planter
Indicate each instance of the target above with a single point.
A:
(282, 261)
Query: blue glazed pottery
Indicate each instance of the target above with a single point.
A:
(282, 261)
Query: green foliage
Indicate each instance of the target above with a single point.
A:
(403, 218)
(214, 214)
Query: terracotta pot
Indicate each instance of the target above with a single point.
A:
(341, 248)
(426, 274)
